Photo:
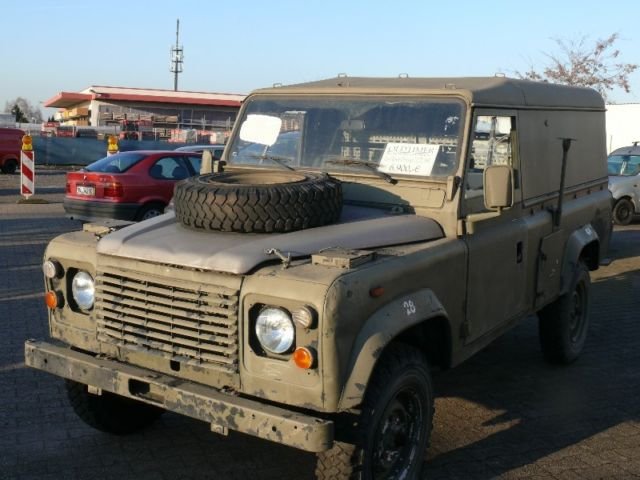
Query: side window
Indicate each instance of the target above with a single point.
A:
(195, 162)
(492, 145)
(169, 168)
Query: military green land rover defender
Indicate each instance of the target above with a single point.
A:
(357, 233)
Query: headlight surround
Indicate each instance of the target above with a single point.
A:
(275, 330)
(83, 290)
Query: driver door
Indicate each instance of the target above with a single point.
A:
(496, 241)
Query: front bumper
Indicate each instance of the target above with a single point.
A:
(223, 411)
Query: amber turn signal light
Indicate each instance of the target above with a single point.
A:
(304, 357)
(52, 299)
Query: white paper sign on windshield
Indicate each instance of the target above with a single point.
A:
(408, 158)
(263, 129)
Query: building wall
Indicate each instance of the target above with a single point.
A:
(188, 116)
(623, 125)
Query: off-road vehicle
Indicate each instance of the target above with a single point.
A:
(356, 234)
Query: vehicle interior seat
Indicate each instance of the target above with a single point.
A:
(179, 172)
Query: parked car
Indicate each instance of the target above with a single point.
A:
(132, 185)
(10, 145)
(216, 150)
(624, 182)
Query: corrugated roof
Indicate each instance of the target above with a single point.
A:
(143, 95)
(491, 91)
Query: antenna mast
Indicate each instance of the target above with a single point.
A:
(177, 57)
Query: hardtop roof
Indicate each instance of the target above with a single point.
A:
(479, 91)
(628, 150)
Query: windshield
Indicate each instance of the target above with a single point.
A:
(117, 163)
(394, 135)
(625, 165)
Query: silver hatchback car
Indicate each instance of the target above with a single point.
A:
(624, 182)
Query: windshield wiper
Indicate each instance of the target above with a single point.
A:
(373, 166)
(279, 160)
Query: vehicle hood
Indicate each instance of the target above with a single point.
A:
(616, 181)
(164, 240)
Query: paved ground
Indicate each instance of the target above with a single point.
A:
(504, 414)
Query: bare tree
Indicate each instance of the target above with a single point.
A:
(579, 63)
(27, 111)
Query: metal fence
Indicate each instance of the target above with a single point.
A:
(83, 151)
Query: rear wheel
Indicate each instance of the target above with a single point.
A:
(150, 210)
(563, 324)
(623, 211)
(390, 435)
(109, 412)
(10, 167)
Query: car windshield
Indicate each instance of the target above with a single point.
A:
(118, 163)
(394, 136)
(624, 165)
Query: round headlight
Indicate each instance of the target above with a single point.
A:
(83, 290)
(275, 330)
(52, 269)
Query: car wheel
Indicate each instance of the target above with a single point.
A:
(10, 167)
(109, 412)
(391, 433)
(623, 211)
(149, 211)
(563, 324)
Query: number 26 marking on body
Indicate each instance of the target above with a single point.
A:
(410, 307)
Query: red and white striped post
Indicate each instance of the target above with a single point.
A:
(27, 168)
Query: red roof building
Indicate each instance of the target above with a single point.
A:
(100, 106)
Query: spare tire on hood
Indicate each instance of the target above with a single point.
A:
(252, 201)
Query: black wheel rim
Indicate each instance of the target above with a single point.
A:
(578, 313)
(398, 434)
(150, 214)
(623, 212)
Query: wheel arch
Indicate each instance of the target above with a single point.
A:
(424, 324)
(9, 159)
(582, 245)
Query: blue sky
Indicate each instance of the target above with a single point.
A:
(240, 45)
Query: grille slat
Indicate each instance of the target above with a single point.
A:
(159, 322)
(158, 295)
(177, 339)
(195, 321)
(148, 309)
(129, 341)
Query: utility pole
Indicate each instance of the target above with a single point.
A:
(176, 57)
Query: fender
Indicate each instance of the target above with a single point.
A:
(576, 243)
(378, 331)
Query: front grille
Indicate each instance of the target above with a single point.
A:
(192, 322)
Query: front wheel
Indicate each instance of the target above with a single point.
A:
(623, 211)
(563, 324)
(391, 433)
(109, 412)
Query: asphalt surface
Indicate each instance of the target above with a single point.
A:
(503, 414)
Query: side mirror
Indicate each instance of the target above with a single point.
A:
(498, 187)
